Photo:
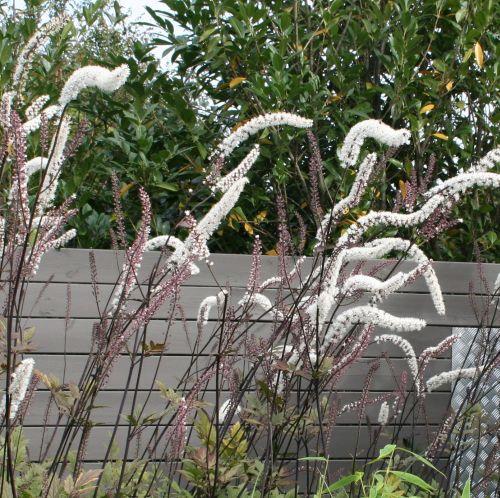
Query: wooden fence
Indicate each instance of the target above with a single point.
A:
(63, 338)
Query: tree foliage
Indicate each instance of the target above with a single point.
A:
(430, 66)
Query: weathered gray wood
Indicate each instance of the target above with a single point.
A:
(108, 403)
(62, 350)
(51, 336)
(172, 367)
(72, 265)
(342, 444)
(51, 301)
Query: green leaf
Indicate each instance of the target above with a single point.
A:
(345, 481)
(168, 186)
(412, 479)
(466, 490)
(385, 452)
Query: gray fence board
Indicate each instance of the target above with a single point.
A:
(171, 367)
(50, 301)
(71, 265)
(61, 345)
(51, 336)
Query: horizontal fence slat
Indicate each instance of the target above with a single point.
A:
(108, 403)
(342, 442)
(52, 336)
(170, 368)
(72, 265)
(51, 301)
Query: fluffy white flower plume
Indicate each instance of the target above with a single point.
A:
(368, 315)
(379, 248)
(406, 347)
(177, 245)
(93, 76)
(54, 167)
(33, 124)
(19, 385)
(460, 183)
(239, 172)
(225, 408)
(260, 300)
(31, 48)
(36, 106)
(487, 162)
(370, 128)
(257, 124)
(383, 414)
(196, 243)
(206, 305)
(357, 190)
(35, 164)
(446, 377)
(6, 108)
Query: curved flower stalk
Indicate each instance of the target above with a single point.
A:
(54, 166)
(227, 408)
(432, 352)
(379, 288)
(206, 305)
(93, 76)
(177, 245)
(260, 300)
(443, 378)
(196, 242)
(386, 218)
(406, 347)
(383, 414)
(50, 112)
(487, 162)
(370, 128)
(290, 276)
(134, 255)
(367, 315)
(381, 247)
(19, 385)
(239, 172)
(36, 107)
(355, 194)
(259, 123)
(32, 47)
(376, 249)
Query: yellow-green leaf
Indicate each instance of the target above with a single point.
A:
(479, 54)
(236, 81)
(449, 85)
(320, 32)
(403, 189)
(248, 228)
(426, 108)
(441, 136)
(271, 252)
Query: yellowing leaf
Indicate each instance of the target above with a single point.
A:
(369, 85)
(334, 98)
(248, 228)
(441, 136)
(236, 81)
(271, 252)
(479, 54)
(320, 32)
(260, 216)
(125, 188)
(426, 108)
(449, 85)
(403, 189)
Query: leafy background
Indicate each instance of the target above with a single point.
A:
(428, 65)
